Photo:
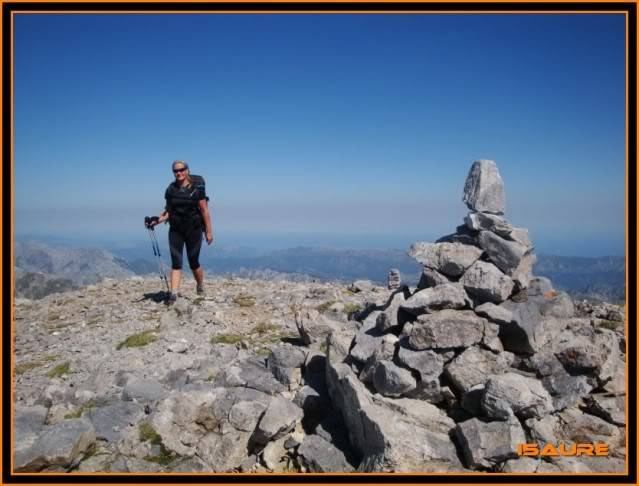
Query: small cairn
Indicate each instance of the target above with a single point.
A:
(394, 279)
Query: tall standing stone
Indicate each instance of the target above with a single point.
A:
(484, 188)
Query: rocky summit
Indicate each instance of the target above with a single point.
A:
(451, 375)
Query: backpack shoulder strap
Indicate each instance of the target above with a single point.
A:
(198, 181)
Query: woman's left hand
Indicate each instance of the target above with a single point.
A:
(209, 237)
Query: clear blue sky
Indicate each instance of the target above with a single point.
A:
(327, 128)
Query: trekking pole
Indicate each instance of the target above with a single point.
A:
(156, 249)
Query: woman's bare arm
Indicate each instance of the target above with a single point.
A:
(206, 216)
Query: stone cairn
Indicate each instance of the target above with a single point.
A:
(394, 279)
(480, 357)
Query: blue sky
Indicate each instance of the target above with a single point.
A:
(353, 130)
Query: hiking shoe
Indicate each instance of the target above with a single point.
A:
(200, 291)
(172, 298)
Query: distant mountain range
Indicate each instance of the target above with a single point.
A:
(41, 269)
(601, 278)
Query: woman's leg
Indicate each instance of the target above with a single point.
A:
(198, 274)
(176, 276)
(193, 246)
(176, 246)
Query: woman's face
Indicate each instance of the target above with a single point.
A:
(179, 170)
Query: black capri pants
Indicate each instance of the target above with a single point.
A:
(192, 237)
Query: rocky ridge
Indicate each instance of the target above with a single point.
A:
(447, 376)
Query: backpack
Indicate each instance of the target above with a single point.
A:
(186, 214)
(198, 181)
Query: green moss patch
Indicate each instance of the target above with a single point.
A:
(138, 340)
(59, 370)
(264, 328)
(21, 368)
(612, 325)
(244, 300)
(350, 308)
(325, 306)
(83, 408)
(148, 434)
(227, 338)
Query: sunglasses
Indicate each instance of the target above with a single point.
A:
(177, 171)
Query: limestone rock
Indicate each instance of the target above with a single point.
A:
(610, 408)
(389, 317)
(522, 274)
(250, 373)
(28, 426)
(486, 283)
(391, 435)
(244, 415)
(494, 313)
(176, 417)
(486, 444)
(361, 286)
(339, 343)
(491, 339)
(224, 453)
(475, 365)
(572, 425)
(384, 351)
(109, 421)
(505, 254)
(463, 234)
(581, 356)
(488, 222)
(522, 464)
(451, 259)
(531, 326)
(60, 445)
(565, 389)
(285, 363)
(279, 418)
(391, 380)
(446, 296)
(612, 372)
(484, 188)
(143, 390)
(521, 236)
(314, 327)
(446, 329)
(319, 455)
(513, 394)
(365, 346)
(275, 457)
(540, 286)
(431, 278)
(428, 364)
(558, 305)
(312, 399)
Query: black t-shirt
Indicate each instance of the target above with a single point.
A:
(182, 203)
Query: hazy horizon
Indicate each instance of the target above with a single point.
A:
(597, 246)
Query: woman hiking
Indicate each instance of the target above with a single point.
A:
(188, 215)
